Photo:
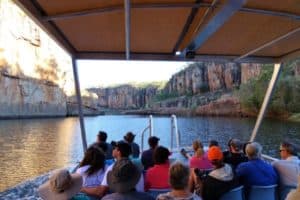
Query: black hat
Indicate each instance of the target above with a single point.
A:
(129, 137)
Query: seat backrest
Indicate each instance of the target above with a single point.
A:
(155, 192)
(284, 190)
(262, 192)
(234, 194)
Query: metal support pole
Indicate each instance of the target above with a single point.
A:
(78, 97)
(275, 76)
(127, 27)
(150, 126)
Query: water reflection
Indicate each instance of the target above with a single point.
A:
(31, 147)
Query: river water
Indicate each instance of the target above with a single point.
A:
(30, 147)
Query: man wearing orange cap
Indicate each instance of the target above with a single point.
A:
(221, 179)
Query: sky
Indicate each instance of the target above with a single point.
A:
(105, 73)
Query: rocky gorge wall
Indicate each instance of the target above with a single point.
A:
(124, 96)
(197, 85)
(23, 97)
(35, 73)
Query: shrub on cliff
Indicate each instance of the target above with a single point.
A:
(286, 97)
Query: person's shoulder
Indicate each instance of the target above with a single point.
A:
(144, 196)
(195, 197)
(82, 170)
(113, 196)
(165, 196)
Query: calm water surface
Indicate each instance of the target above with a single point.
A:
(30, 147)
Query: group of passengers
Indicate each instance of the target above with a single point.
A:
(110, 171)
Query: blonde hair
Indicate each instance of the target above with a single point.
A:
(197, 144)
(198, 148)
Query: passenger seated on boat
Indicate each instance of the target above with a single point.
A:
(288, 168)
(213, 143)
(121, 151)
(295, 193)
(157, 176)
(199, 159)
(147, 155)
(106, 147)
(256, 171)
(219, 181)
(122, 180)
(234, 156)
(135, 148)
(61, 185)
(92, 169)
(179, 175)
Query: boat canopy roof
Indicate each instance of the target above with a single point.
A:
(172, 30)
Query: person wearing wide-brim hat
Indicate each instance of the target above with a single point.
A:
(61, 186)
(135, 148)
(122, 181)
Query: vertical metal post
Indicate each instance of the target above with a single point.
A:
(172, 132)
(127, 27)
(272, 83)
(78, 97)
(150, 126)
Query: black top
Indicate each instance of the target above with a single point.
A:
(147, 159)
(234, 159)
(213, 188)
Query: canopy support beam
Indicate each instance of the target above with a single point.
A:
(127, 28)
(271, 87)
(97, 11)
(79, 103)
(229, 8)
(268, 44)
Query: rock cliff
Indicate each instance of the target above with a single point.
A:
(24, 97)
(124, 96)
(190, 91)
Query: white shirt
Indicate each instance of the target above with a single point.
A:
(92, 180)
(139, 186)
(288, 170)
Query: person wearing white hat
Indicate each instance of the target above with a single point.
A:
(61, 186)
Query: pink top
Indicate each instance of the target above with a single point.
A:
(200, 162)
(157, 177)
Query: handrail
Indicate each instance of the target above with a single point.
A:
(150, 127)
(268, 158)
(174, 130)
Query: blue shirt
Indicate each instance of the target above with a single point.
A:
(256, 172)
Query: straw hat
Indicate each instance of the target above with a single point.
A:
(61, 185)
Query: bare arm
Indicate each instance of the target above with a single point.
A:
(98, 191)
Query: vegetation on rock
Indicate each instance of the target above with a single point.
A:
(286, 97)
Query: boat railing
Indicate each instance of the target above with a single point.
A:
(150, 128)
(174, 132)
(269, 159)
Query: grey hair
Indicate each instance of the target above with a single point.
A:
(254, 150)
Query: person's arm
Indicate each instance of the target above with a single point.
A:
(98, 191)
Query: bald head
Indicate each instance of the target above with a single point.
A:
(253, 150)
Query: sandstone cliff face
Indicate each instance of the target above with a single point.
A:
(249, 71)
(200, 78)
(124, 97)
(197, 85)
(89, 104)
(22, 97)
